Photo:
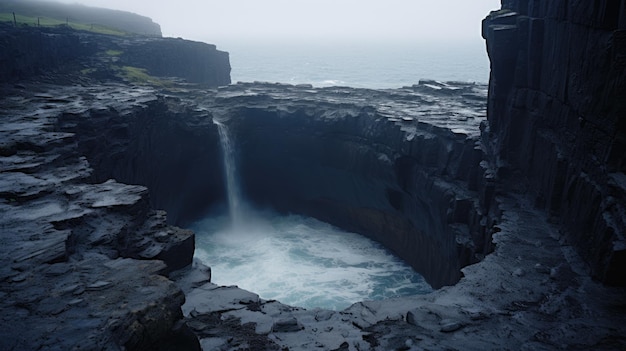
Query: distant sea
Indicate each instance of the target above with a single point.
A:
(378, 66)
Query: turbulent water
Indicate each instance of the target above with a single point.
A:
(301, 261)
(297, 260)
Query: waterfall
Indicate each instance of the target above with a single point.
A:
(299, 260)
(230, 172)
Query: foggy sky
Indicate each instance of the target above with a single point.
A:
(222, 21)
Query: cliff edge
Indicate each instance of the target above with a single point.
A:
(61, 54)
(556, 118)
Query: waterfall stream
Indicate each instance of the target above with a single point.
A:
(232, 185)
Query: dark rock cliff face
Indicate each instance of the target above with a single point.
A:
(62, 54)
(400, 178)
(411, 180)
(25, 52)
(195, 62)
(423, 178)
(164, 144)
(556, 117)
(96, 251)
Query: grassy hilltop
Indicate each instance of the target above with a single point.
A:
(80, 17)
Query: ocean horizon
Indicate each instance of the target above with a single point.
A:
(362, 65)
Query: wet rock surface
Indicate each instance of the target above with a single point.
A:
(83, 265)
(400, 166)
(490, 308)
(81, 252)
(556, 116)
(412, 183)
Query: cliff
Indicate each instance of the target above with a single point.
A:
(410, 175)
(412, 185)
(84, 264)
(195, 62)
(62, 54)
(556, 105)
(416, 177)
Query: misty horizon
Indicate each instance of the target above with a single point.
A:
(322, 21)
(359, 44)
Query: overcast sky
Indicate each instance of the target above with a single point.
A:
(225, 21)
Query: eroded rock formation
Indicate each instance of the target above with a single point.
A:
(420, 167)
(556, 115)
(377, 163)
(83, 265)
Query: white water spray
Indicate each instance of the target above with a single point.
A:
(232, 187)
(302, 262)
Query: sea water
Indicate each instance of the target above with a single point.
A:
(301, 261)
(375, 66)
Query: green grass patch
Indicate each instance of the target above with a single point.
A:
(52, 22)
(113, 52)
(140, 76)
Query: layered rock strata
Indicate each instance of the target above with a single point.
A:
(83, 265)
(71, 233)
(412, 182)
(401, 167)
(64, 55)
(556, 109)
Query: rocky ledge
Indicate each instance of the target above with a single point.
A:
(86, 260)
(413, 181)
(84, 265)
